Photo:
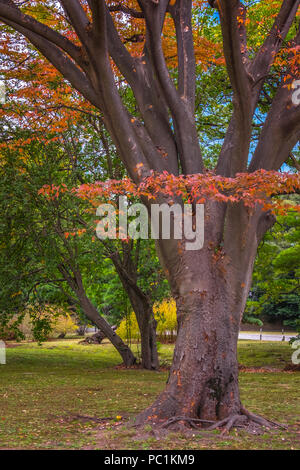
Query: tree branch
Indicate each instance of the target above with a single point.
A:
(234, 154)
(294, 160)
(61, 62)
(78, 18)
(266, 55)
(138, 73)
(280, 133)
(184, 120)
(128, 11)
(232, 15)
(182, 16)
(8, 11)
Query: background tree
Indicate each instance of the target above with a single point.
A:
(79, 128)
(274, 294)
(35, 237)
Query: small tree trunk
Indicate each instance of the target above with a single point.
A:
(81, 330)
(147, 326)
(143, 311)
(92, 313)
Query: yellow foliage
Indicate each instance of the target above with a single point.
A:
(128, 328)
(63, 325)
(165, 315)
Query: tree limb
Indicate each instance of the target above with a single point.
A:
(127, 10)
(78, 18)
(184, 121)
(280, 133)
(234, 154)
(8, 11)
(182, 16)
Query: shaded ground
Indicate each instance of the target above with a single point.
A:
(67, 396)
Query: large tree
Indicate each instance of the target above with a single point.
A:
(34, 234)
(210, 285)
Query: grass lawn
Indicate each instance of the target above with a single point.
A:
(44, 388)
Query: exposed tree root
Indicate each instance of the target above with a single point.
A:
(191, 421)
(229, 422)
(245, 419)
(262, 421)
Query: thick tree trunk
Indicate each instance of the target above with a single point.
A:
(203, 380)
(210, 287)
(93, 315)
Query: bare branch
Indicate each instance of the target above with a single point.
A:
(281, 130)
(139, 74)
(99, 8)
